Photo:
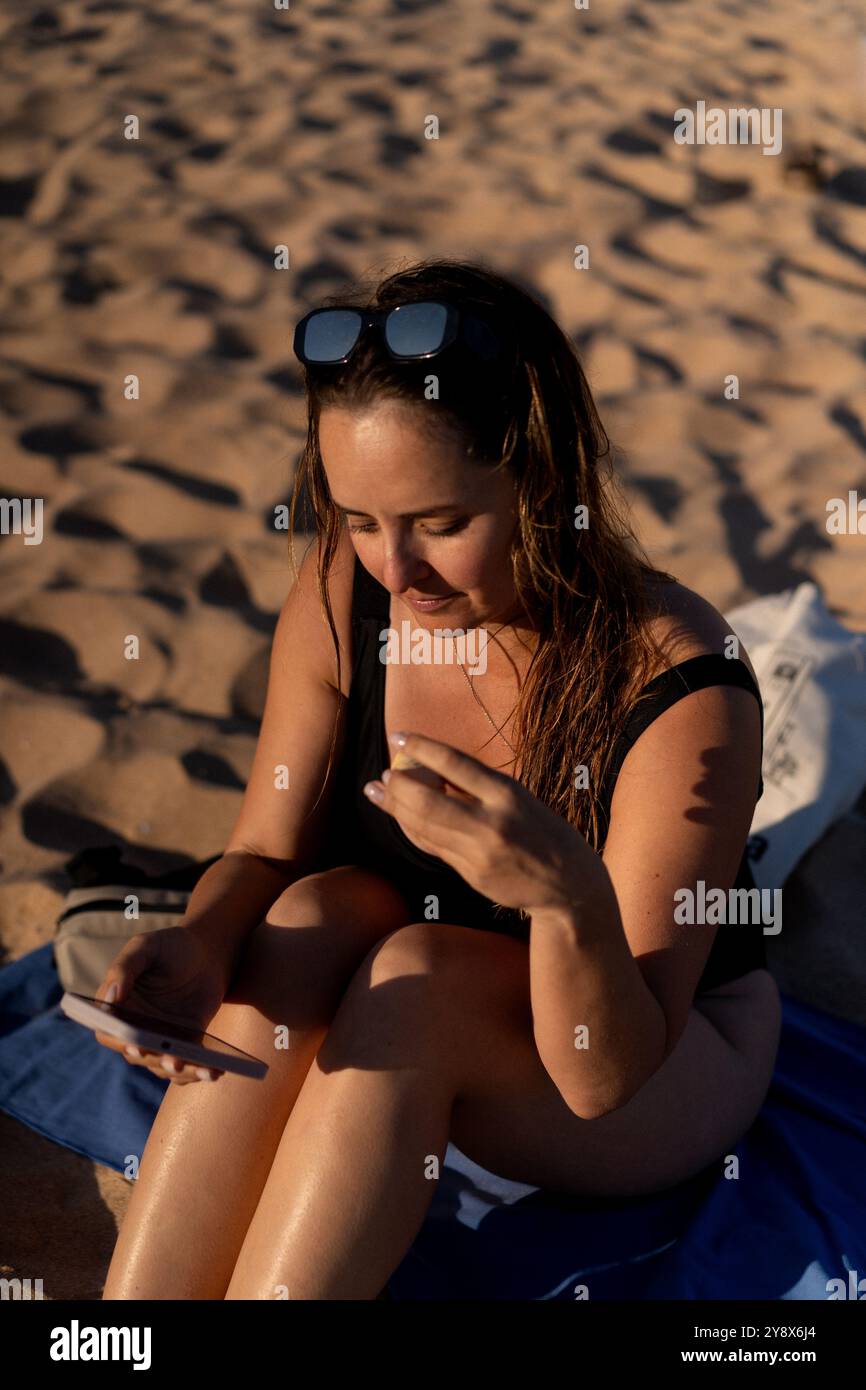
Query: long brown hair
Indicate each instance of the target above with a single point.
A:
(585, 589)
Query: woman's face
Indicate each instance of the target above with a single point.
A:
(424, 520)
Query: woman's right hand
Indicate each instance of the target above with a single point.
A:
(171, 973)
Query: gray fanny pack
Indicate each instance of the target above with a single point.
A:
(109, 903)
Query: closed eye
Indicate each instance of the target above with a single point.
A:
(428, 530)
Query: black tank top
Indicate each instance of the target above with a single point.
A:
(367, 836)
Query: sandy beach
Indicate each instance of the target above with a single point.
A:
(154, 258)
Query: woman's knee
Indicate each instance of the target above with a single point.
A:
(399, 971)
(465, 962)
(390, 1014)
(439, 952)
(343, 894)
(302, 954)
(409, 945)
(432, 997)
(444, 968)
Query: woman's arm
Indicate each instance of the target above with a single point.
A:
(599, 1030)
(277, 835)
(617, 966)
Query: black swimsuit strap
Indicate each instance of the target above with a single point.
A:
(697, 673)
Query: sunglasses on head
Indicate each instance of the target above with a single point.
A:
(410, 332)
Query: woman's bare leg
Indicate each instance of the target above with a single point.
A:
(212, 1144)
(359, 1161)
(433, 1040)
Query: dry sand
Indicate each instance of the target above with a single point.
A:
(261, 127)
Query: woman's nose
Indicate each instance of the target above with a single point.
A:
(402, 570)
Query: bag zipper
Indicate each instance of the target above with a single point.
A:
(101, 904)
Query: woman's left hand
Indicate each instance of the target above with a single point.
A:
(500, 838)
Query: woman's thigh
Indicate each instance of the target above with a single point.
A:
(509, 1117)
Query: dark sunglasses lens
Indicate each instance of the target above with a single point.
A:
(331, 334)
(416, 328)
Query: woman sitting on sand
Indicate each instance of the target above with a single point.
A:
(605, 756)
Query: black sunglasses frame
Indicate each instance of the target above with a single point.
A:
(460, 324)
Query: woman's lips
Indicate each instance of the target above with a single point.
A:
(428, 605)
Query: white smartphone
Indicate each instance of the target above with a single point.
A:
(161, 1035)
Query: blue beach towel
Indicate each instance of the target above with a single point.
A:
(794, 1219)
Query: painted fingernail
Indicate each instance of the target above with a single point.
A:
(171, 1063)
(133, 1051)
(397, 739)
(111, 994)
(203, 1074)
(373, 792)
(386, 774)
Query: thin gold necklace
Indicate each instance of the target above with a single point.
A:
(479, 700)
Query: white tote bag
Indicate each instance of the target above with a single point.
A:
(812, 674)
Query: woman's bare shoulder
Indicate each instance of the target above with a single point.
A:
(685, 625)
(339, 586)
